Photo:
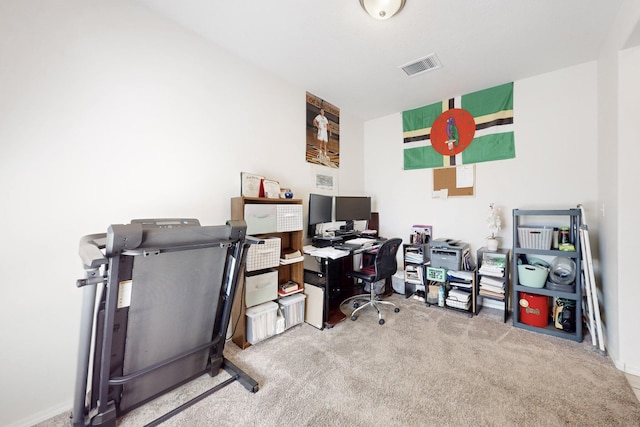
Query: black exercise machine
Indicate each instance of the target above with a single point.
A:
(166, 288)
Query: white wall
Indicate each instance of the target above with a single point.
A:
(555, 138)
(109, 112)
(586, 113)
(628, 230)
(617, 140)
(608, 199)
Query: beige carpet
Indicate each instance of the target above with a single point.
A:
(426, 366)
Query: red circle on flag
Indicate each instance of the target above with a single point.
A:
(452, 131)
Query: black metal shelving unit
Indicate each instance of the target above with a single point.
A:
(500, 254)
(420, 251)
(573, 217)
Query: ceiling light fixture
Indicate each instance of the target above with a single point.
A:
(382, 9)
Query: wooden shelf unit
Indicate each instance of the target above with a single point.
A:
(289, 241)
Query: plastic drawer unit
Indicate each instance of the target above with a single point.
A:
(261, 322)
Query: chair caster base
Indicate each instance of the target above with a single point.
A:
(396, 310)
(381, 321)
(353, 318)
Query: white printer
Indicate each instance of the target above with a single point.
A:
(448, 253)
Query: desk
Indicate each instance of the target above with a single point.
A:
(325, 268)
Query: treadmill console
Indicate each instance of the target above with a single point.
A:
(167, 222)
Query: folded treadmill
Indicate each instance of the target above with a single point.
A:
(156, 306)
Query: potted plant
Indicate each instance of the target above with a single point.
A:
(495, 224)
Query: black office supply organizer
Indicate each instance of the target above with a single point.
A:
(167, 288)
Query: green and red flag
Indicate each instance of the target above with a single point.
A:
(472, 128)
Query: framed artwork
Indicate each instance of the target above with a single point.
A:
(322, 132)
(324, 182)
(269, 189)
(250, 184)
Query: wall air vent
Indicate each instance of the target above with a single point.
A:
(428, 63)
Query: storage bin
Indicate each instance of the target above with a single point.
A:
(397, 282)
(264, 255)
(261, 321)
(293, 309)
(535, 237)
(562, 271)
(288, 218)
(261, 288)
(534, 309)
(463, 305)
(260, 218)
(458, 299)
(266, 218)
(533, 276)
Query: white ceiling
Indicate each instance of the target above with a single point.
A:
(334, 50)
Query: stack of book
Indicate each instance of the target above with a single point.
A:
(290, 256)
(492, 280)
(288, 288)
(414, 255)
(414, 274)
(460, 279)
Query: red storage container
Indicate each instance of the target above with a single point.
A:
(534, 309)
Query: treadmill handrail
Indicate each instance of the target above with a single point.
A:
(91, 250)
(159, 250)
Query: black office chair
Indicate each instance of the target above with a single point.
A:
(383, 267)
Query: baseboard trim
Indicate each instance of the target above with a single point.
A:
(42, 415)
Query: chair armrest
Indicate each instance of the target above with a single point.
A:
(362, 274)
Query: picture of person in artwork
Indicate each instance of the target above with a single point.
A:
(322, 132)
(322, 124)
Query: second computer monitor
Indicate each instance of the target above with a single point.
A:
(320, 211)
(353, 208)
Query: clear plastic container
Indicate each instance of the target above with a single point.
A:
(563, 271)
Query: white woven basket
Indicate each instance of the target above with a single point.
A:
(535, 237)
(458, 304)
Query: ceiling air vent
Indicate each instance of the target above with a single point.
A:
(428, 63)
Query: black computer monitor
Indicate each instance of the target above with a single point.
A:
(353, 208)
(320, 211)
